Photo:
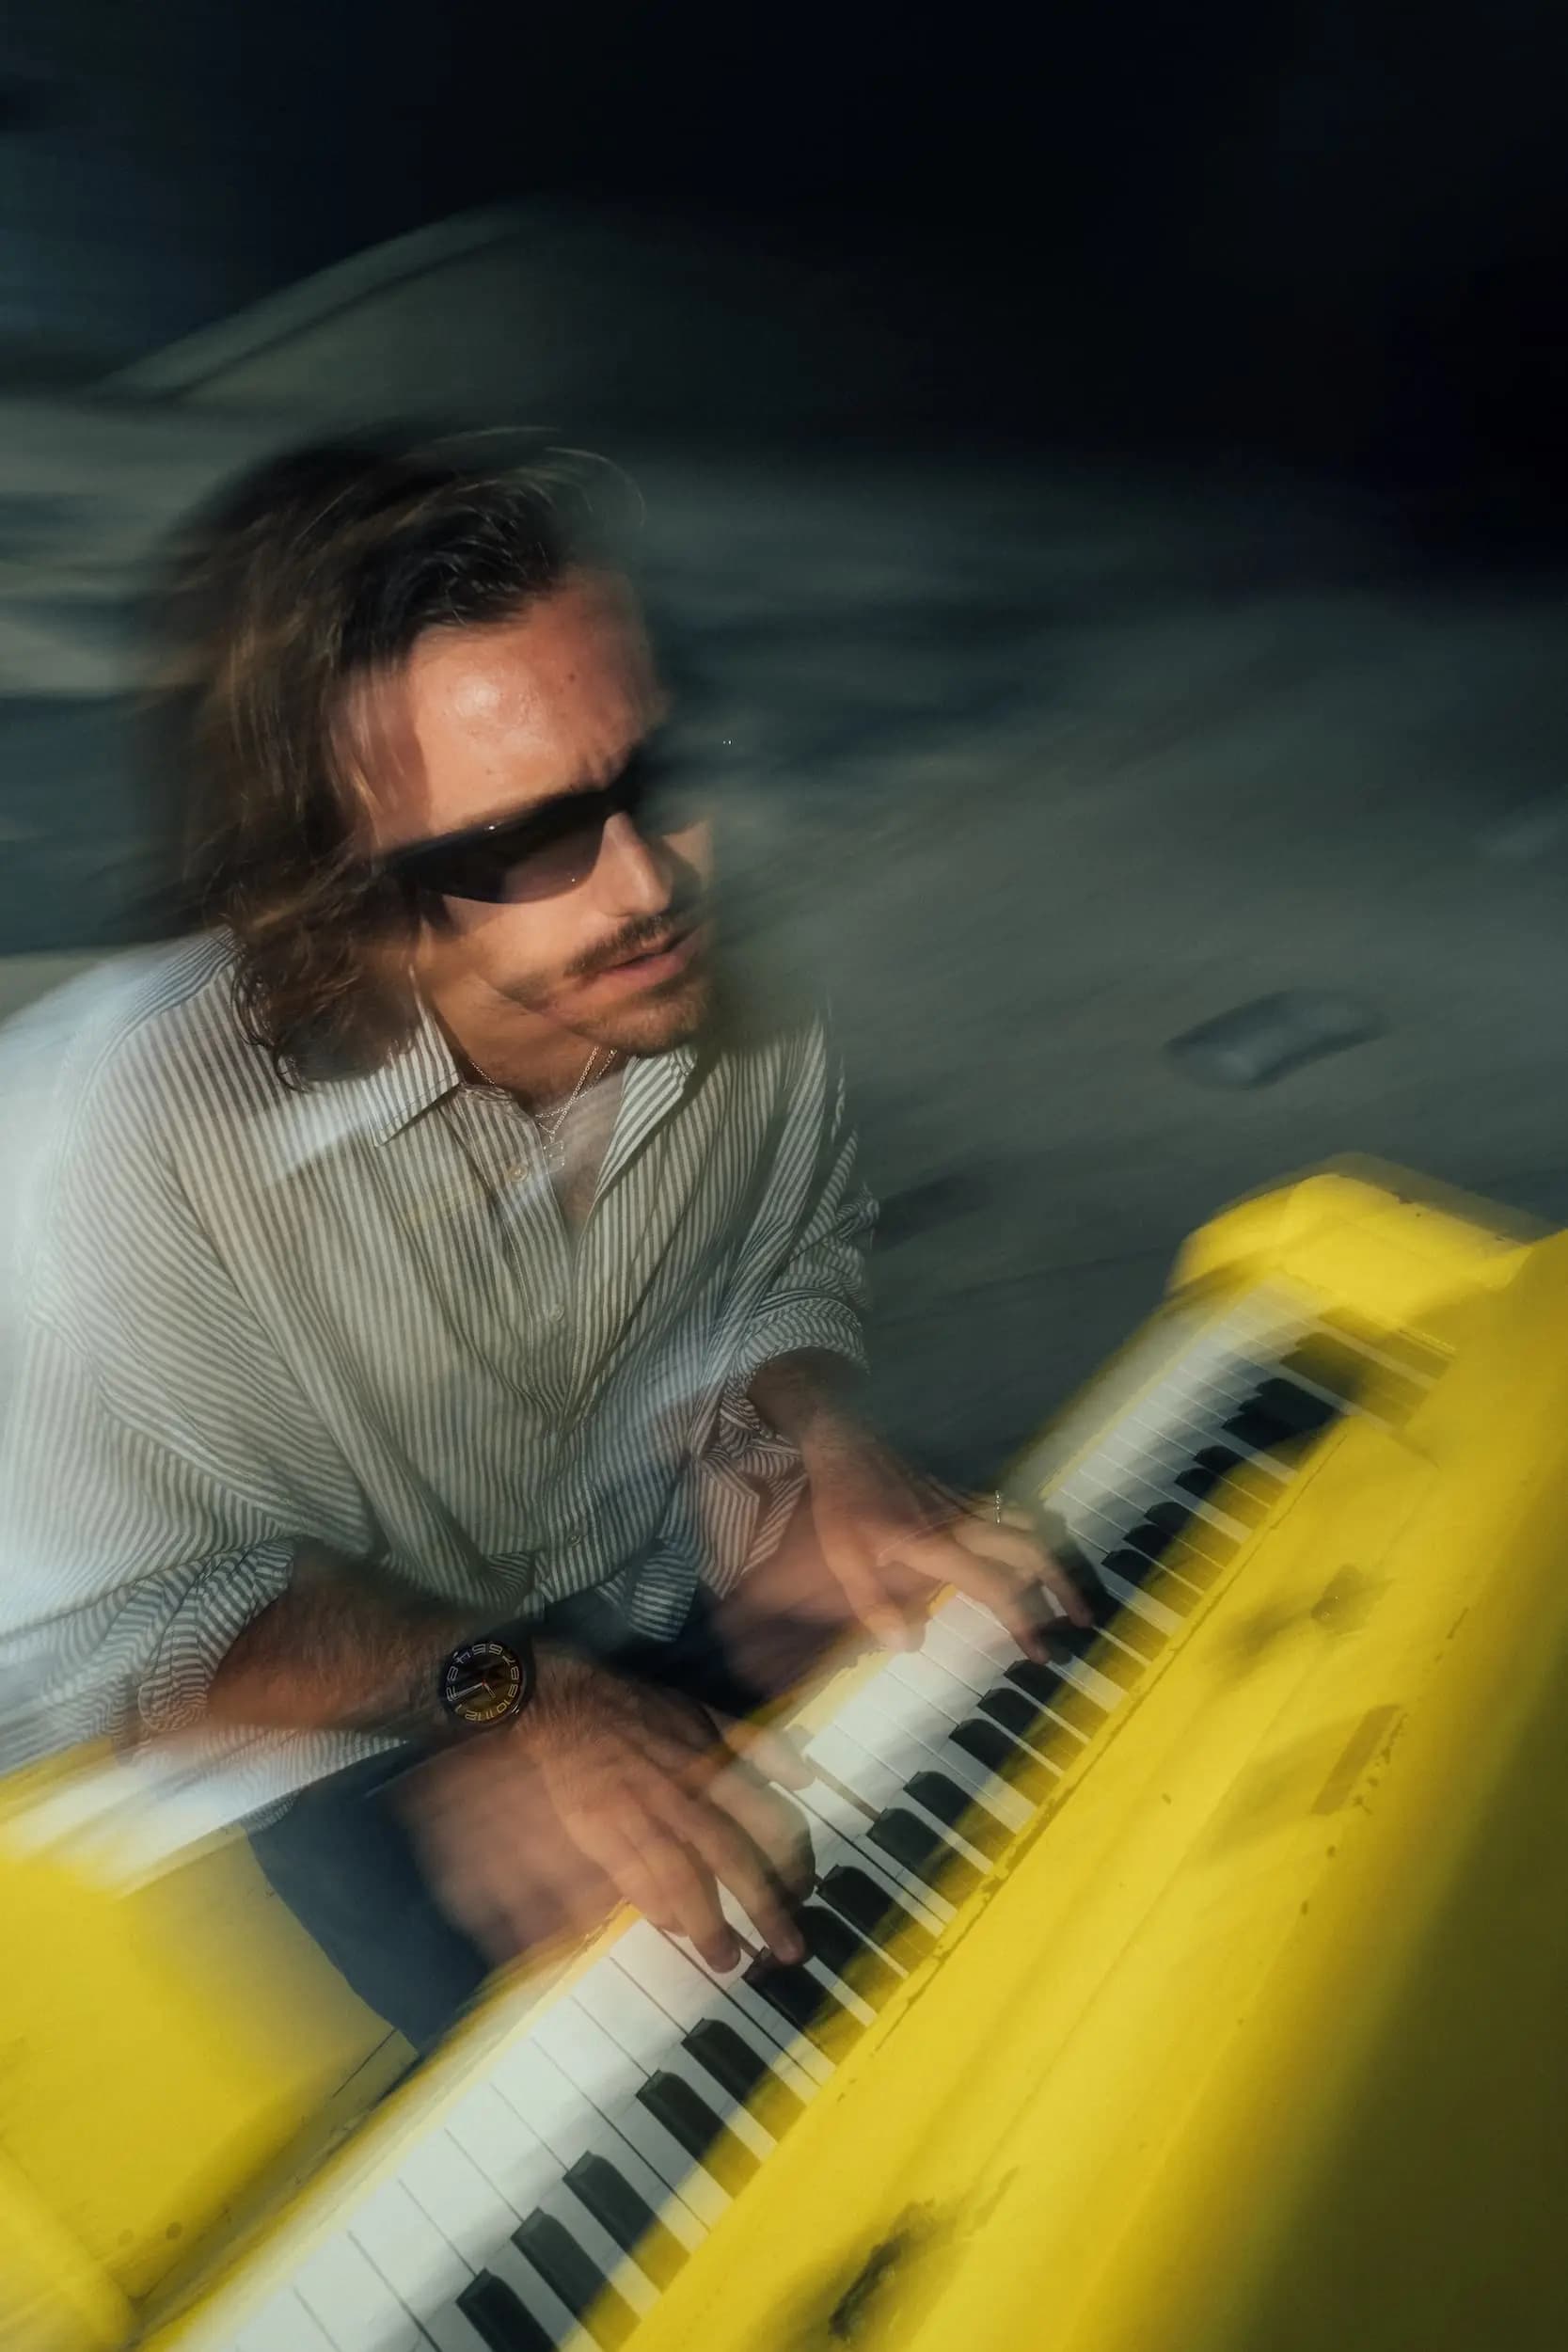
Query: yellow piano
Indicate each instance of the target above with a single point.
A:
(1205, 1991)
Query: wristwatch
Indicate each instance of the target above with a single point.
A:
(487, 1682)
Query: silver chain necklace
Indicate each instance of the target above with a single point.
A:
(550, 1131)
(551, 1127)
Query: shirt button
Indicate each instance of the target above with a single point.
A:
(558, 1315)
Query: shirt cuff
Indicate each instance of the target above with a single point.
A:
(223, 1597)
(791, 1326)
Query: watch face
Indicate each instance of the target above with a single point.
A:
(482, 1683)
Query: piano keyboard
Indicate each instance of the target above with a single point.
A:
(541, 2182)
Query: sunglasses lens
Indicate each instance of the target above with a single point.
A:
(546, 867)
(555, 849)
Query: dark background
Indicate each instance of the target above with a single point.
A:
(1332, 231)
(1163, 605)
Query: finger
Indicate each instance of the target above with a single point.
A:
(1012, 1601)
(778, 1829)
(768, 1752)
(736, 1862)
(978, 1507)
(664, 1881)
(873, 1605)
(1015, 1547)
(619, 1859)
(1008, 1548)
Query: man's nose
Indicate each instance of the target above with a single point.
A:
(632, 877)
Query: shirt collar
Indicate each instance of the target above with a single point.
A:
(424, 1072)
(419, 1074)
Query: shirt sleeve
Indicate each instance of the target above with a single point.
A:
(129, 1570)
(814, 1292)
(149, 1508)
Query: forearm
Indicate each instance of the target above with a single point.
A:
(810, 1396)
(333, 1653)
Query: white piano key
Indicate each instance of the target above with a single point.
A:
(833, 1850)
(885, 1719)
(844, 1752)
(459, 2196)
(950, 1643)
(850, 1825)
(564, 2112)
(283, 2325)
(418, 2260)
(979, 1629)
(920, 1729)
(594, 2132)
(831, 1984)
(877, 1784)
(1106, 1695)
(660, 2152)
(668, 1991)
(604, 2078)
(537, 2298)
(676, 2060)
(493, 2135)
(947, 1696)
(744, 2004)
(896, 1750)
(1143, 1604)
(929, 1748)
(1005, 1805)
(946, 1648)
(451, 2330)
(618, 2268)
(909, 1805)
(342, 2289)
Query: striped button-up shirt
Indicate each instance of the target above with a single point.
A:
(241, 1317)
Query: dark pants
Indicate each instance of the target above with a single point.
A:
(342, 1861)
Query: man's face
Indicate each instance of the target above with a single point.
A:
(487, 723)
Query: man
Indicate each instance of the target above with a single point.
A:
(439, 1307)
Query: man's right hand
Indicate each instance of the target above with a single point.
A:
(646, 1797)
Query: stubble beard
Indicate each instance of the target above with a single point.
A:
(656, 1023)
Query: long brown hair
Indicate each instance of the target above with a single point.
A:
(320, 568)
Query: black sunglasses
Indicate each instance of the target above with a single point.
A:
(555, 844)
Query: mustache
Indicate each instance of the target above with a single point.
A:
(636, 938)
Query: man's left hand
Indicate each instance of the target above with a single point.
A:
(884, 1530)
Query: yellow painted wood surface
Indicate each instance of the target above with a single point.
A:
(1256, 2039)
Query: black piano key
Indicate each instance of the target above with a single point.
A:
(626, 2218)
(1280, 1423)
(1327, 1363)
(924, 1852)
(1100, 1644)
(1007, 1757)
(1114, 1650)
(805, 2003)
(953, 1805)
(1134, 1568)
(988, 1743)
(1296, 1409)
(1209, 1469)
(1042, 1684)
(1064, 1640)
(741, 2070)
(495, 2315)
(829, 1940)
(1022, 1718)
(1147, 1542)
(1149, 1545)
(576, 2278)
(695, 2127)
(879, 1916)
